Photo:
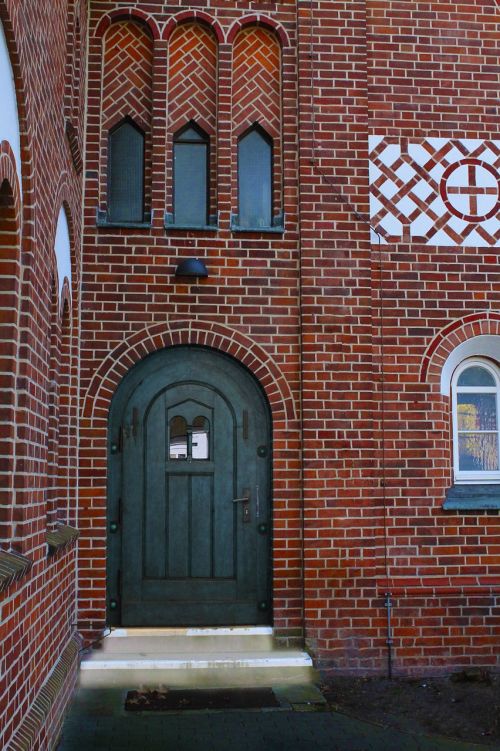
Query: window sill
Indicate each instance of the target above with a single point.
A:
(61, 538)
(170, 224)
(103, 221)
(262, 230)
(192, 227)
(13, 567)
(277, 227)
(472, 497)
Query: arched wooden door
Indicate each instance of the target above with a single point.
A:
(189, 493)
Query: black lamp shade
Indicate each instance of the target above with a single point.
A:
(191, 267)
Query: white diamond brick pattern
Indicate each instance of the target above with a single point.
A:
(435, 191)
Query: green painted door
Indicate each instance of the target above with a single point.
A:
(189, 511)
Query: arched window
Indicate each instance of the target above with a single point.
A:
(126, 173)
(255, 192)
(191, 171)
(475, 400)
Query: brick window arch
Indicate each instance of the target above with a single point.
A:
(9, 342)
(192, 99)
(257, 113)
(126, 101)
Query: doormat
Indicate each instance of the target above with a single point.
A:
(202, 698)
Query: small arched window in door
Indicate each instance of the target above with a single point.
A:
(255, 162)
(191, 165)
(126, 173)
(178, 438)
(200, 437)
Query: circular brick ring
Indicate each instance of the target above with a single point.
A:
(475, 182)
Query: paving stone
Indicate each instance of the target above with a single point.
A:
(281, 730)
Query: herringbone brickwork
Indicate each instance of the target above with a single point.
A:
(256, 95)
(127, 91)
(192, 91)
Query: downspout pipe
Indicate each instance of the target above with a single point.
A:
(389, 640)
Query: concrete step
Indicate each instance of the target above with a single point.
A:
(194, 658)
(176, 641)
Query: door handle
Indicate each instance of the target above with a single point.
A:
(245, 505)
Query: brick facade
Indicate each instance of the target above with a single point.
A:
(386, 161)
(38, 466)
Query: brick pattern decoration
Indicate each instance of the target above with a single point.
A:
(42, 725)
(436, 191)
(192, 94)
(53, 433)
(127, 92)
(66, 409)
(37, 605)
(482, 323)
(10, 272)
(74, 93)
(256, 98)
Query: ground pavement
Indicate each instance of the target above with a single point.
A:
(98, 721)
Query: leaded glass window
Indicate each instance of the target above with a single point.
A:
(255, 161)
(191, 167)
(126, 173)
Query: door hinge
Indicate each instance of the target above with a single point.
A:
(132, 428)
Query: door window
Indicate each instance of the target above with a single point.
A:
(189, 442)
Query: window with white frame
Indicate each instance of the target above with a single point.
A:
(475, 396)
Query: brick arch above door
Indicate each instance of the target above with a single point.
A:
(148, 340)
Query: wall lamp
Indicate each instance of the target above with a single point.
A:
(191, 267)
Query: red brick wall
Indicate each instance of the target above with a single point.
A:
(248, 306)
(37, 612)
(9, 296)
(378, 462)
(345, 323)
(343, 518)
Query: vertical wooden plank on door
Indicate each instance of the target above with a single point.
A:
(155, 522)
(178, 502)
(202, 504)
(224, 492)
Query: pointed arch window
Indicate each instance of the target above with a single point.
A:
(126, 173)
(191, 176)
(255, 188)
